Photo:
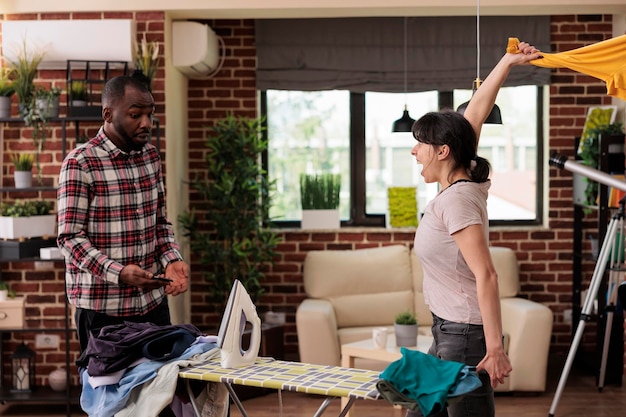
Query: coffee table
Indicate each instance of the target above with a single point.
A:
(365, 349)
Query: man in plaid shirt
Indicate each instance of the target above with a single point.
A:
(113, 231)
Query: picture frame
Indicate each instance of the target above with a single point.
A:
(596, 116)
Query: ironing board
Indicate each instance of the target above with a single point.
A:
(329, 381)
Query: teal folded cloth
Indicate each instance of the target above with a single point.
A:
(418, 381)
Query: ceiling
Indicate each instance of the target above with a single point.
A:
(220, 9)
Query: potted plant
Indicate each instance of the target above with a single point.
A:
(24, 66)
(147, 59)
(47, 101)
(228, 227)
(44, 106)
(77, 93)
(589, 152)
(26, 219)
(319, 197)
(405, 328)
(5, 291)
(6, 91)
(23, 174)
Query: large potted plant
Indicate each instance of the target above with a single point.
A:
(227, 227)
(319, 197)
(6, 91)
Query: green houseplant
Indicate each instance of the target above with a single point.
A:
(405, 328)
(44, 106)
(24, 66)
(228, 227)
(319, 197)
(26, 219)
(77, 92)
(6, 91)
(5, 291)
(589, 152)
(23, 164)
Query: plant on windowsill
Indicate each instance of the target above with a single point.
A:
(319, 197)
(229, 226)
(589, 152)
(26, 219)
(405, 328)
(23, 175)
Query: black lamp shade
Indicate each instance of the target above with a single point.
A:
(403, 124)
(494, 118)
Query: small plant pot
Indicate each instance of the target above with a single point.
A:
(406, 334)
(23, 179)
(4, 295)
(48, 108)
(5, 107)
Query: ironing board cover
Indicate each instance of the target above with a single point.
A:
(333, 381)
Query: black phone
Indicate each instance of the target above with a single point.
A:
(162, 278)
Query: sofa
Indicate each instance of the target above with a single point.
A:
(350, 292)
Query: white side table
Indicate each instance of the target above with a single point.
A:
(365, 349)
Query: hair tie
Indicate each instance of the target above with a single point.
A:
(473, 164)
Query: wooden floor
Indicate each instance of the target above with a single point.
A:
(580, 398)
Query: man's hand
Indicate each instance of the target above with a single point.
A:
(135, 276)
(179, 272)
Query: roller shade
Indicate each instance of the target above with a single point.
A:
(367, 54)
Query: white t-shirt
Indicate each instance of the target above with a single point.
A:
(449, 284)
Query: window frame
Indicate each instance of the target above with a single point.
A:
(358, 215)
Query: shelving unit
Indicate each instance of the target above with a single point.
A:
(609, 162)
(44, 394)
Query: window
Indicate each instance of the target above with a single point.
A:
(350, 133)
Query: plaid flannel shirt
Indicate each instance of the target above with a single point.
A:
(111, 213)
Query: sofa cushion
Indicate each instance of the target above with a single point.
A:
(335, 273)
(366, 287)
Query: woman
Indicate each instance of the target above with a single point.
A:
(460, 281)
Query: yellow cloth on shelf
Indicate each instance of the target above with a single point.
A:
(605, 60)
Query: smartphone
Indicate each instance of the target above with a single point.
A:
(162, 278)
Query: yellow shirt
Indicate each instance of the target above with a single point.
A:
(605, 60)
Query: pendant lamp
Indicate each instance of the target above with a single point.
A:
(495, 117)
(405, 123)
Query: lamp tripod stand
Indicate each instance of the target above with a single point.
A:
(613, 246)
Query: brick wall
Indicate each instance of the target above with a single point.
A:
(545, 255)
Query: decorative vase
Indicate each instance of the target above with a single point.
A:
(5, 107)
(58, 380)
(406, 334)
(23, 179)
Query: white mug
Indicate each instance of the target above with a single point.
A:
(379, 335)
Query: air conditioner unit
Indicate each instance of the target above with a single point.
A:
(89, 40)
(195, 49)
